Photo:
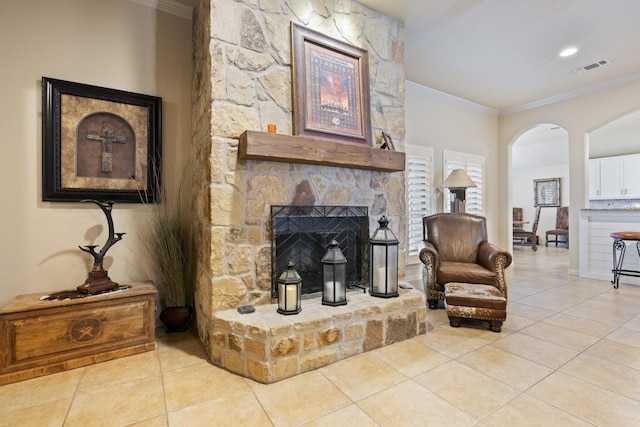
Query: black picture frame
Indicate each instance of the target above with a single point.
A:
(100, 143)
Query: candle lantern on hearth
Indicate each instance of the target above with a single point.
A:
(383, 273)
(289, 291)
(334, 273)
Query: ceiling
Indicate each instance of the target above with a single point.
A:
(505, 54)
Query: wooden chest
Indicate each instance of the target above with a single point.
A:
(43, 337)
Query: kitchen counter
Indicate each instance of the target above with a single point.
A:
(611, 209)
(596, 244)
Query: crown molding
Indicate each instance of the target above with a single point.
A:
(450, 98)
(169, 6)
(571, 94)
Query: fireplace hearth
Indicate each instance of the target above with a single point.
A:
(302, 234)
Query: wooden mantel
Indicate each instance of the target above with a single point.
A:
(300, 149)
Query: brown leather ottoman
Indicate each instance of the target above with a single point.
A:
(474, 301)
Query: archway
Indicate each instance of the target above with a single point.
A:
(539, 153)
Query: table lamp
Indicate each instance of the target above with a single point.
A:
(457, 182)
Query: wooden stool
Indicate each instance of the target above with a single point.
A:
(474, 301)
(620, 246)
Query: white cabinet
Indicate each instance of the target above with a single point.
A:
(615, 177)
(632, 176)
(611, 178)
(594, 179)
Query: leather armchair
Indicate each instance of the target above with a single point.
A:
(455, 249)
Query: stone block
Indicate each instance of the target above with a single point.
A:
(215, 355)
(222, 323)
(278, 85)
(285, 368)
(240, 259)
(227, 292)
(237, 235)
(392, 305)
(251, 33)
(258, 370)
(312, 324)
(227, 206)
(235, 343)
(342, 317)
(255, 235)
(318, 359)
(264, 191)
(355, 331)
(413, 299)
(219, 339)
(329, 336)
(256, 348)
(368, 310)
(285, 347)
(234, 362)
(309, 341)
(373, 335)
(258, 331)
(401, 327)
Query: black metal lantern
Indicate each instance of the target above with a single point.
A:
(289, 290)
(334, 273)
(383, 274)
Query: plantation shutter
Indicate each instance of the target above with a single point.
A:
(420, 200)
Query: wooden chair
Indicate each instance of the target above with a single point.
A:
(517, 216)
(562, 227)
(522, 237)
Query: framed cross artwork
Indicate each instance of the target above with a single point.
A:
(99, 143)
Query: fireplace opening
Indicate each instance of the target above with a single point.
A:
(302, 234)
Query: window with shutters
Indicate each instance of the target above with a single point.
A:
(420, 197)
(474, 166)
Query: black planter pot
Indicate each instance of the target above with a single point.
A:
(177, 319)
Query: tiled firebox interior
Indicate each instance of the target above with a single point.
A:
(568, 355)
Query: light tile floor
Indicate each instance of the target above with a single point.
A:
(568, 355)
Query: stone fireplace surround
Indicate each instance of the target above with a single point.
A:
(242, 82)
(267, 346)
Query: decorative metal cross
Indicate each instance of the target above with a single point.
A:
(107, 137)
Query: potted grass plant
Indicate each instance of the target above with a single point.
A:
(169, 241)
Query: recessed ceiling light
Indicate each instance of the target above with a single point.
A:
(568, 51)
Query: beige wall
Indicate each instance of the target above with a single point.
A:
(578, 116)
(117, 44)
(445, 123)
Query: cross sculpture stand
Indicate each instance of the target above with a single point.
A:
(98, 280)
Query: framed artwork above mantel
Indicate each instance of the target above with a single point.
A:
(330, 88)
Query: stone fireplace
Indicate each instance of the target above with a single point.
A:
(242, 82)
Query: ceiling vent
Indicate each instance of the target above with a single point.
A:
(591, 66)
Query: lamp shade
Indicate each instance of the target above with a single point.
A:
(458, 178)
